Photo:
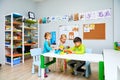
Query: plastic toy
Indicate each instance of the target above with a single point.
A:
(61, 47)
(68, 51)
(57, 51)
(117, 46)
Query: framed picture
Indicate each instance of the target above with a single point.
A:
(31, 15)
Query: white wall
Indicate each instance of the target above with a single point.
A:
(7, 7)
(116, 20)
(62, 7)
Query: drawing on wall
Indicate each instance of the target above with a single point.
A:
(76, 16)
(40, 21)
(70, 17)
(53, 37)
(70, 31)
(48, 20)
(71, 35)
(99, 14)
(81, 16)
(44, 20)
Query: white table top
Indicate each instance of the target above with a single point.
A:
(111, 61)
(92, 57)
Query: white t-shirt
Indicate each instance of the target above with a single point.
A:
(60, 43)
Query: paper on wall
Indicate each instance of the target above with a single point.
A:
(86, 29)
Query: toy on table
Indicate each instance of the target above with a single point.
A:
(61, 47)
(68, 51)
(60, 50)
(117, 46)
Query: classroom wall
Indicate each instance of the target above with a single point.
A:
(7, 7)
(116, 20)
(62, 7)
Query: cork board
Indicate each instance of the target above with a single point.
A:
(94, 31)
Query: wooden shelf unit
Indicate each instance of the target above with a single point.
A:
(13, 37)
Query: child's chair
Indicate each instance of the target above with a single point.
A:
(35, 53)
(87, 65)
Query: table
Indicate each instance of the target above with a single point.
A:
(85, 57)
(118, 72)
(111, 62)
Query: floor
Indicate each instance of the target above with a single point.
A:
(23, 72)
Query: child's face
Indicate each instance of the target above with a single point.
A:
(49, 37)
(77, 44)
(63, 39)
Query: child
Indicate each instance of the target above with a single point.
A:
(47, 48)
(61, 64)
(79, 48)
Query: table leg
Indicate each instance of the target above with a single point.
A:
(101, 70)
(42, 66)
(42, 73)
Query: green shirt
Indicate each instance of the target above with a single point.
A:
(78, 50)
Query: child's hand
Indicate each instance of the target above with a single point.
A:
(67, 47)
(61, 48)
(54, 48)
(68, 51)
(73, 52)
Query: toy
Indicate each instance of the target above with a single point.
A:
(61, 47)
(62, 53)
(68, 51)
(57, 51)
(117, 46)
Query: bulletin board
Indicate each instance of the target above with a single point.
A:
(94, 31)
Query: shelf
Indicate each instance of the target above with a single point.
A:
(27, 36)
(29, 44)
(13, 31)
(7, 30)
(14, 55)
(7, 39)
(17, 31)
(13, 39)
(7, 47)
(30, 28)
(14, 23)
(8, 62)
(27, 53)
(17, 39)
(30, 21)
(17, 23)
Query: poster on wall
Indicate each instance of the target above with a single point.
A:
(53, 37)
(76, 16)
(71, 31)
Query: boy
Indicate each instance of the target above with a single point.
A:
(79, 48)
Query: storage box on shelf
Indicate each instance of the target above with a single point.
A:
(15, 60)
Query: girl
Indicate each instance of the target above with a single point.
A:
(61, 64)
(47, 48)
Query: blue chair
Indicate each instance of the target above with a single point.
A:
(87, 64)
(35, 53)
